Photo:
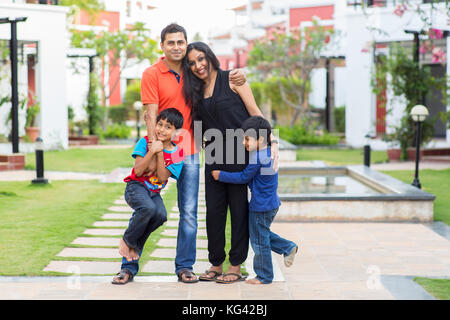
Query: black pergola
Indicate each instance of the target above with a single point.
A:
(14, 83)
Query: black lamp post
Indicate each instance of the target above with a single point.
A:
(138, 107)
(367, 150)
(418, 113)
(39, 151)
(14, 83)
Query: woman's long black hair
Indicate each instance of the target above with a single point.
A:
(193, 86)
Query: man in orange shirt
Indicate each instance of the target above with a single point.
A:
(161, 88)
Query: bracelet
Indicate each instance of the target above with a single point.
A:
(274, 141)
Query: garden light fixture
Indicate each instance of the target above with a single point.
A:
(418, 113)
(137, 105)
(39, 151)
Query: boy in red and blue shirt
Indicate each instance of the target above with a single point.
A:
(155, 162)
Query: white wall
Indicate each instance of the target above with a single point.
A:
(358, 116)
(47, 25)
(360, 101)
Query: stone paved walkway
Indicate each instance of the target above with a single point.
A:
(335, 261)
(100, 242)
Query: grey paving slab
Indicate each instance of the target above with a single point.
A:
(104, 232)
(404, 288)
(170, 253)
(118, 216)
(84, 267)
(90, 253)
(96, 241)
(157, 266)
(120, 209)
(172, 242)
(120, 202)
(111, 224)
(277, 274)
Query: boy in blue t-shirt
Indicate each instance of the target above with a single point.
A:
(263, 182)
(154, 163)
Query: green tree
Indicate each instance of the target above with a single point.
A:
(124, 48)
(411, 81)
(91, 7)
(291, 57)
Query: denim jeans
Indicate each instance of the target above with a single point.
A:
(187, 188)
(149, 214)
(264, 241)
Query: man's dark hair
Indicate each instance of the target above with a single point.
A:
(172, 116)
(256, 127)
(172, 28)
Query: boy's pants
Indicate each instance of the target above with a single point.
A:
(149, 213)
(264, 241)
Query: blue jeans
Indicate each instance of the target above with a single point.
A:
(149, 214)
(187, 188)
(264, 241)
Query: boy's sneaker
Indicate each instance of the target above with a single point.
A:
(289, 259)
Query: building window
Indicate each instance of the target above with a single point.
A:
(128, 8)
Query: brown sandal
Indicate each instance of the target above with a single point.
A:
(207, 277)
(188, 275)
(121, 276)
(239, 277)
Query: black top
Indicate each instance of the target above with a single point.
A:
(225, 110)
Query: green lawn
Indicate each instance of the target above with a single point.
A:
(438, 288)
(340, 156)
(83, 160)
(38, 221)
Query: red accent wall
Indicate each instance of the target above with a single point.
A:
(31, 79)
(299, 15)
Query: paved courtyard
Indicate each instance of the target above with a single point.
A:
(335, 261)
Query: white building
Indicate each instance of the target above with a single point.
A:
(352, 84)
(45, 33)
(361, 113)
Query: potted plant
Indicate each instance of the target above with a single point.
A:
(412, 82)
(30, 126)
(397, 141)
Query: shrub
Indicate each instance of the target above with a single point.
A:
(118, 114)
(339, 118)
(298, 135)
(119, 131)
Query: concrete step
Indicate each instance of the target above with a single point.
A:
(14, 161)
(444, 158)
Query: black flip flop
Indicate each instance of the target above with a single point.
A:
(121, 275)
(239, 278)
(188, 274)
(216, 274)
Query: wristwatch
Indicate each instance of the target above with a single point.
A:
(274, 141)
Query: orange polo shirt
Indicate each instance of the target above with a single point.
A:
(164, 87)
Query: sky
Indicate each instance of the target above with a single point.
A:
(203, 16)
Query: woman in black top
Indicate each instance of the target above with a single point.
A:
(220, 106)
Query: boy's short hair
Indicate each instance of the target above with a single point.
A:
(256, 127)
(172, 28)
(172, 116)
